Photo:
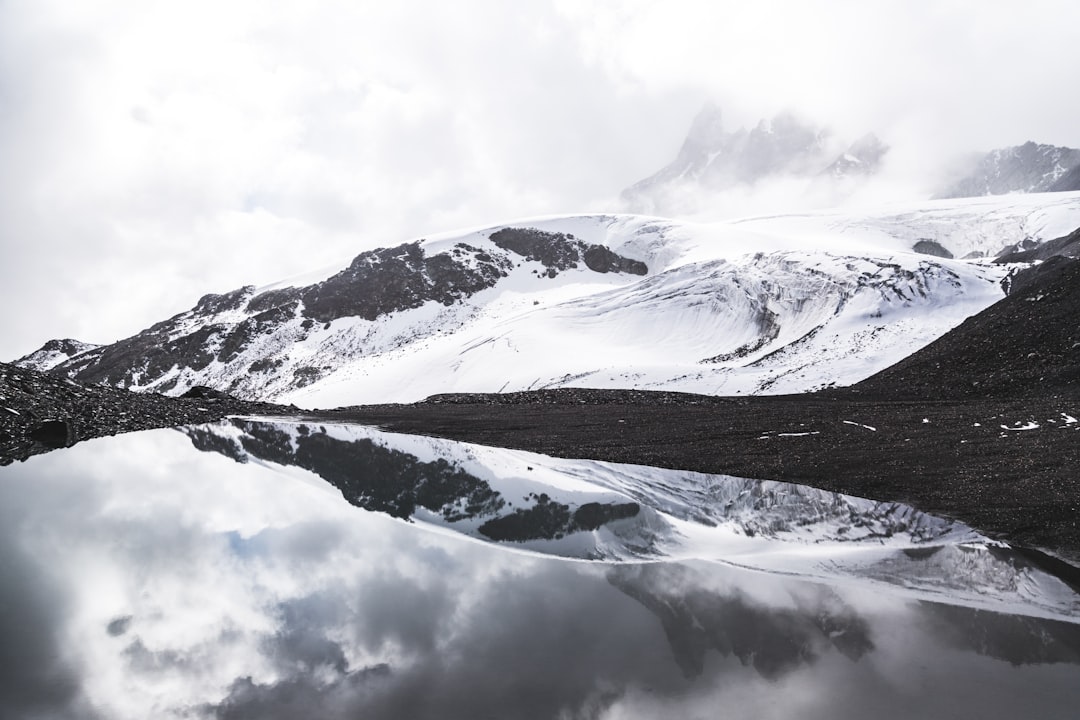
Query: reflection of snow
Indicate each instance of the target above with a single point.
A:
(1029, 425)
(851, 422)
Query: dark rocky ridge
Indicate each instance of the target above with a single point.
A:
(376, 283)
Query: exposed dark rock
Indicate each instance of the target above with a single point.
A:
(202, 392)
(979, 425)
(931, 247)
(53, 433)
(53, 353)
(559, 252)
(602, 260)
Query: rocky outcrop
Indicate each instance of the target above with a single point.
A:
(1028, 168)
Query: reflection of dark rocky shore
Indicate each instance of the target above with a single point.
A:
(382, 479)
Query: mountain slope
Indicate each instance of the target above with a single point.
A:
(1027, 344)
(774, 305)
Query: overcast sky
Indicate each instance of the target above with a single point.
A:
(151, 152)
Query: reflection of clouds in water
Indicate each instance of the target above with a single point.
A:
(36, 676)
(193, 582)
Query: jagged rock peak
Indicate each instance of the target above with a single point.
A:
(706, 131)
(862, 157)
(714, 159)
(1027, 168)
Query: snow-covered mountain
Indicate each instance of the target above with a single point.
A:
(713, 159)
(1027, 168)
(766, 305)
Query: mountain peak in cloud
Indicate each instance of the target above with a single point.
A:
(713, 159)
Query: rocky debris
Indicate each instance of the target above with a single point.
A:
(40, 412)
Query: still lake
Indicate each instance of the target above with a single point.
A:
(258, 569)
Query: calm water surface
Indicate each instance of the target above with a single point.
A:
(257, 570)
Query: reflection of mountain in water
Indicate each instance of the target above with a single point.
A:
(776, 640)
(382, 479)
(592, 510)
(1017, 639)
(773, 640)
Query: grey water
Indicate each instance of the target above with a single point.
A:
(219, 572)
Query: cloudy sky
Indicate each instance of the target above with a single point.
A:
(151, 152)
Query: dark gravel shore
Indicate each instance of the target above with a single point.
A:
(40, 412)
(967, 459)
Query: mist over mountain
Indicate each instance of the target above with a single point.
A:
(1027, 168)
(713, 159)
(786, 161)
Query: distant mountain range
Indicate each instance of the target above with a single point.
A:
(713, 159)
(1024, 168)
